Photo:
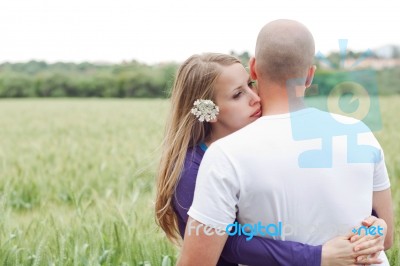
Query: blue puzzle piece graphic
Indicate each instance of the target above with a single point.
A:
(324, 126)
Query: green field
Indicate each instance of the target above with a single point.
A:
(77, 181)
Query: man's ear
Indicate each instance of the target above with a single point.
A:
(310, 75)
(252, 65)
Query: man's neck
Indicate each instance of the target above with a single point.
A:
(275, 100)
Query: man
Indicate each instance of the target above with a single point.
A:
(315, 188)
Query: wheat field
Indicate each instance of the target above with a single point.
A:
(77, 179)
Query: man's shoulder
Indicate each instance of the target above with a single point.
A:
(335, 123)
(236, 142)
(353, 125)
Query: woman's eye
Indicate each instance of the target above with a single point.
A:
(237, 95)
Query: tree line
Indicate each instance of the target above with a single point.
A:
(131, 79)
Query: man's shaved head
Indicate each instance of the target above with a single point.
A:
(285, 49)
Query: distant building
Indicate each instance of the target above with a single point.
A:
(375, 63)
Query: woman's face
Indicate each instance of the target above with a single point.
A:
(237, 98)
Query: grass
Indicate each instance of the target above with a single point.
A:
(77, 181)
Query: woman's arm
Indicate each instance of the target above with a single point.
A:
(260, 250)
(265, 251)
(257, 251)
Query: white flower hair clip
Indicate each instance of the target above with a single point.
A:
(205, 110)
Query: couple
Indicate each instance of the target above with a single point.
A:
(252, 173)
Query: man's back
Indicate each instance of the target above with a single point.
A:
(260, 171)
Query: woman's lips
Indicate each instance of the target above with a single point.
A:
(256, 113)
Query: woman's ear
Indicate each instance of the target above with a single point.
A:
(213, 120)
(252, 65)
(310, 75)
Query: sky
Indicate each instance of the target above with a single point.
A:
(153, 31)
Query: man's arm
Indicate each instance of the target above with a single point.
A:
(382, 197)
(202, 245)
(382, 204)
(215, 203)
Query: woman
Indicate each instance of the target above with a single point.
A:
(194, 123)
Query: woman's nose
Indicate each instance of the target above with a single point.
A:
(254, 98)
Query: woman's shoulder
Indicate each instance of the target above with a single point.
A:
(194, 155)
(185, 187)
(191, 165)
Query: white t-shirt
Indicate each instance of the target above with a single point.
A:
(278, 170)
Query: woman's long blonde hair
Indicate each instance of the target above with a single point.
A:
(195, 79)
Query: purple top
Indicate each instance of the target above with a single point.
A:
(257, 251)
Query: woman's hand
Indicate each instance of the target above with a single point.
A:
(367, 244)
(339, 251)
(355, 249)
